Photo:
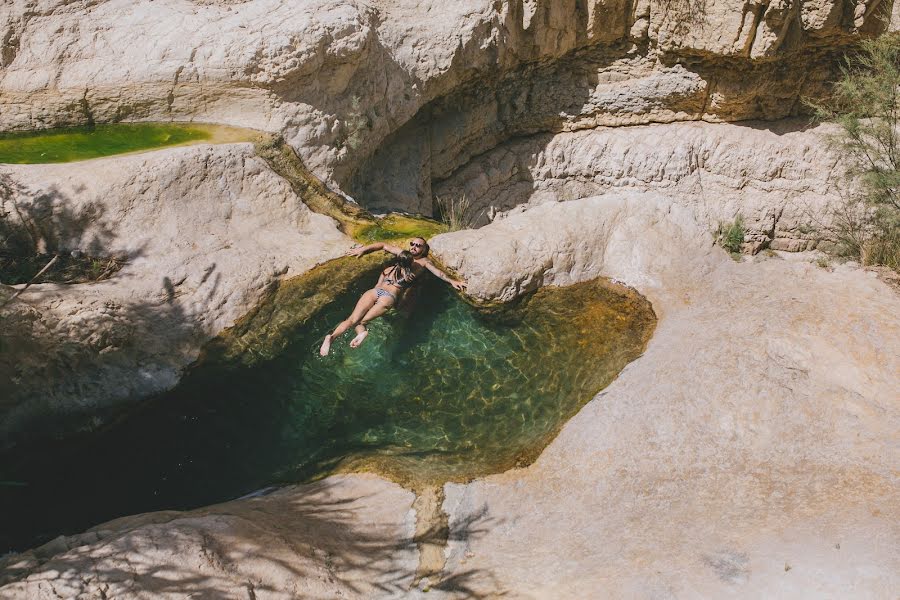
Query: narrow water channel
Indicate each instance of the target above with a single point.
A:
(446, 393)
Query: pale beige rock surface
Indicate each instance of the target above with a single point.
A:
(301, 542)
(204, 229)
(339, 78)
(780, 177)
(751, 452)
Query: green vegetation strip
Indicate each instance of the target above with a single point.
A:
(82, 143)
(399, 227)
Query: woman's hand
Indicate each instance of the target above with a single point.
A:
(357, 252)
(458, 285)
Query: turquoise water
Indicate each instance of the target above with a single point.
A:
(446, 393)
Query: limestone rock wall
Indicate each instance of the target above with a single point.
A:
(341, 79)
(746, 454)
(205, 230)
(631, 237)
(779, 177)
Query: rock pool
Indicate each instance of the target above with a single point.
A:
(448, 392)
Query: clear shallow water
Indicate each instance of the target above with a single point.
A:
(449, 393)
(81, 143)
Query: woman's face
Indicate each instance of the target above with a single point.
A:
(417, 247)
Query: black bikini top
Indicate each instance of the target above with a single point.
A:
(402, 281)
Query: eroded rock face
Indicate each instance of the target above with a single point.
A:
(339, 78)
(779, 177)
(301, 542)
(205, 230)
(746, 454)
(563, 243)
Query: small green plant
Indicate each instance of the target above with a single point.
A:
(731, 235)
(823, 262)
(96, 268)
(457, 213)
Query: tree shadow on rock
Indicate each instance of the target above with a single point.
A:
(70, 369)
(313, 541)
(473, 582)
(36, 225)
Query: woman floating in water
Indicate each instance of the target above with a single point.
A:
(392, 283)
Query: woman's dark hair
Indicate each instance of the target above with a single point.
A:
(404, 259)
(402, 265)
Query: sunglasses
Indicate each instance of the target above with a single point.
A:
(416, 244)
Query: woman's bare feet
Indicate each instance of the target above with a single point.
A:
(360, 338)
(326, 346)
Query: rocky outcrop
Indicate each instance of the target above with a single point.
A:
(779, 177)
(343, 79)
(747, 453)
(205, 232)
(301, 542)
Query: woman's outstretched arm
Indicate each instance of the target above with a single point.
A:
(372, 248)
(456, 283)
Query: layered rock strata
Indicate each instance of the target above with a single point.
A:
(780, 178)
(339, 79)
(204, 231)
(747, 453)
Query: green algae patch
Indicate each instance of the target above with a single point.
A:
(266, 330)
(398, 227)
(82, 143)
(447, 393)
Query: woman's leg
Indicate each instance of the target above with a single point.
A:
(365, 302)
(381, 307)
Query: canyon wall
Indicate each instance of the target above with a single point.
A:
(511, 103)
(381, 97)
(777, 176)
(746, 454)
